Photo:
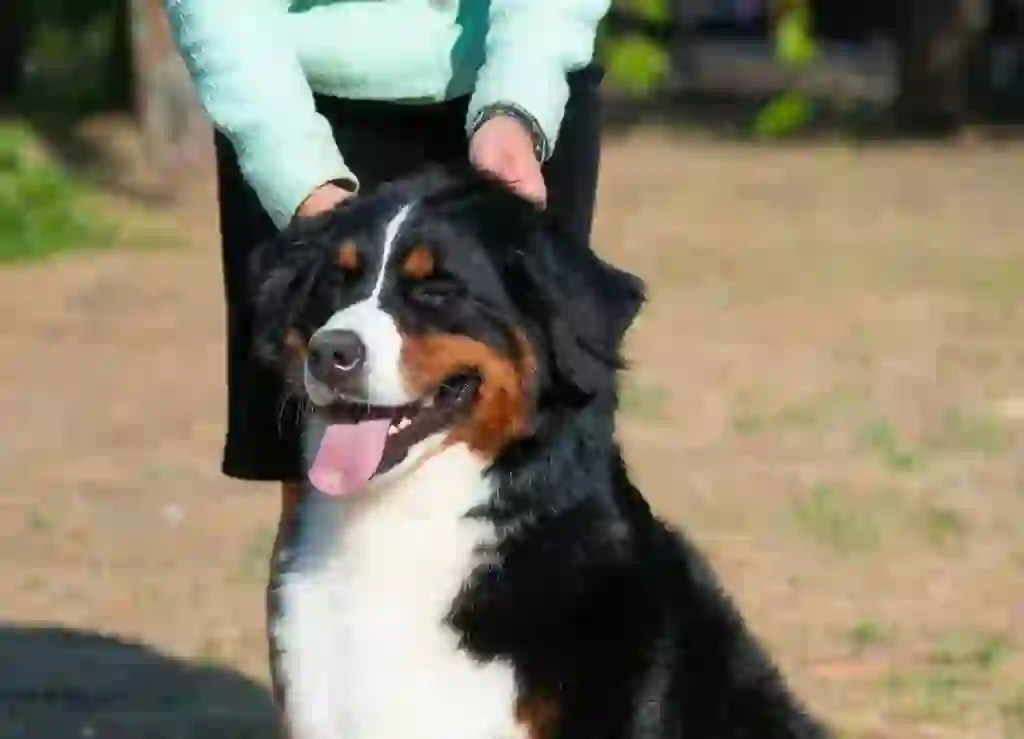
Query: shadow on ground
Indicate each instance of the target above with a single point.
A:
(58, 683)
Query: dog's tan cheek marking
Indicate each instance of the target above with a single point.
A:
(500, 414)
(537, 714)
(348, 257)
(419, 264)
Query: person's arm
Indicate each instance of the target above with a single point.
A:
(531, 46)
(252, 86)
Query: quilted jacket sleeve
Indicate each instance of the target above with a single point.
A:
(247, 75)
(531, 46)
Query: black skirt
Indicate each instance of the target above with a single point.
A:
(380, 142)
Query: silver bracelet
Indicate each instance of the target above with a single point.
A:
(540, 142)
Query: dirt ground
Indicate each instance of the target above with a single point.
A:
(827, 391)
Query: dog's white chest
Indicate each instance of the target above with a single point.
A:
(365, 651)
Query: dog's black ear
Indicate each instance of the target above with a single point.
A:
(581, 304)
(584, 305)
(282, 272)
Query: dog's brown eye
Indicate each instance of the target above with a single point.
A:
(436, 293)
(348, 261)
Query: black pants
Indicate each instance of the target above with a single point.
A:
(380, 142)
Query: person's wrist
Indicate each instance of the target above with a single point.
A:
(514, 112)
(324, 198)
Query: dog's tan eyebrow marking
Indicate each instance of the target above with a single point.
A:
(419, 263)
(348, 257)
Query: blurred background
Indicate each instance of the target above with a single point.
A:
(827, 386)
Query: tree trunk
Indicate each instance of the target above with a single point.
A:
(120, 71)
(15, 34)
(174, 127)
(937, 41)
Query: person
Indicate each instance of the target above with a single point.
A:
(314, 100)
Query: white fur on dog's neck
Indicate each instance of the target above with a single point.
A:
(365, 653)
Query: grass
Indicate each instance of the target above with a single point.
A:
(43, 211)
(866, 636)
(959, 667)
(33, 584)
(975, 433)
(978, 651)
(1012, 712)
(748, 424)
(943, 527)
(881, 438)
(210, 652)
(37, 521)
(930, 696)
(256, 557)
(828, 515)
(813, 413)
(642, 400)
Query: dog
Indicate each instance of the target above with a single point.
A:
(472, 560)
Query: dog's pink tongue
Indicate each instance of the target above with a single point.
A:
(349, 454)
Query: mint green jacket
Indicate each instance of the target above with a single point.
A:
(257, 63)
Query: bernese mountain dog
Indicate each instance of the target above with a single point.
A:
(472, 560)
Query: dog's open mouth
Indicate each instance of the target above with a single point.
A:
(362, 441)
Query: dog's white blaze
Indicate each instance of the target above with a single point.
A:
(391, 232)
(365, 652)
(377, 329)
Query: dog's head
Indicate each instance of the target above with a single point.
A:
(441, 309)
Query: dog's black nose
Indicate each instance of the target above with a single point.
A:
(335, 355)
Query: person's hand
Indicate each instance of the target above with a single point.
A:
(503, 147)
(322, 200)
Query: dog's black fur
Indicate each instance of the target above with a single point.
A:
(607, 614)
